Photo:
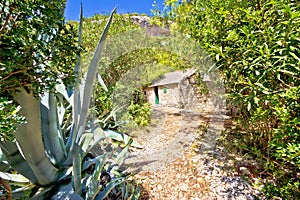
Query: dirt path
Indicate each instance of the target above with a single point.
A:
(165, 140)
(181, 158)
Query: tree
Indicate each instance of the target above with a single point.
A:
(37, 50)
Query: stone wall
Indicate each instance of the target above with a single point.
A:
(182, 95)
(168, 95)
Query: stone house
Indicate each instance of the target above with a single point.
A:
(177, 89)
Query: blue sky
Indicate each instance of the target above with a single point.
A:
(92, 7)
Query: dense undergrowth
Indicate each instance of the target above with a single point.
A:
(255, 44)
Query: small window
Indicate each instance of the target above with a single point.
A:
(164, 90)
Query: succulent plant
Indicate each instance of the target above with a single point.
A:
(52, 149)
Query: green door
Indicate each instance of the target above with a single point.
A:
(156, 95)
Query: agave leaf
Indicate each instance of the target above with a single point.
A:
(125, 190)
(89, 140)
(65, 174)
(121, 137)
(111, 114)
(123, 154)
(77, 66)
(51, 132)
(14, 177)
(98, 170)
(90, 77)
(85, 141)
(61, 89)
(16, 160)
(82, 97)
(4, 165)
(61, 111)
(135, 194)
(29, 137)
(76, 104)
(87, 163)
(42, 193)
(2, 156)
(98, 135)
(77, 160)
(101, 82)
(76, 99)
(20, 192)
(64, 192)
(94, 188)
(108, 188)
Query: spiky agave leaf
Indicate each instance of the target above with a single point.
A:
(16, 160)
(29, 138)
(52, 135)
(89, 80)
(76, 107)
(93, 183)
(13, 177)
(123, 154)
(91, 138)
(65, 191)
(77, 161)
(82, 97)
(110, 186)
(121, 137)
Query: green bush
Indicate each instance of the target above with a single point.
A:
(255, 44)
(140, 113)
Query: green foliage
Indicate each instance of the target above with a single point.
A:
(103, 106)
(153, 63)
(256, 46)
(140, 113)
(92, 28)
(37, 48)
(9, 120)
(37, 51)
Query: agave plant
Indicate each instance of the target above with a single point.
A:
(51, 150)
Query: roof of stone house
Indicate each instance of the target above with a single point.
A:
(173, 77)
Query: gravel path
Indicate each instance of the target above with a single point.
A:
(165, 140)
(181, 158)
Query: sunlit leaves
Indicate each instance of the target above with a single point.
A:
(256, 45)
(37, 49)
(9, 119)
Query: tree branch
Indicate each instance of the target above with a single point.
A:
(13, 73)
(8, 17)
(7, 188)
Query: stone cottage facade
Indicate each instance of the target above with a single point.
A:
(176, 89)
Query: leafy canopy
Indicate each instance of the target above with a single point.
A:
(37, 48)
